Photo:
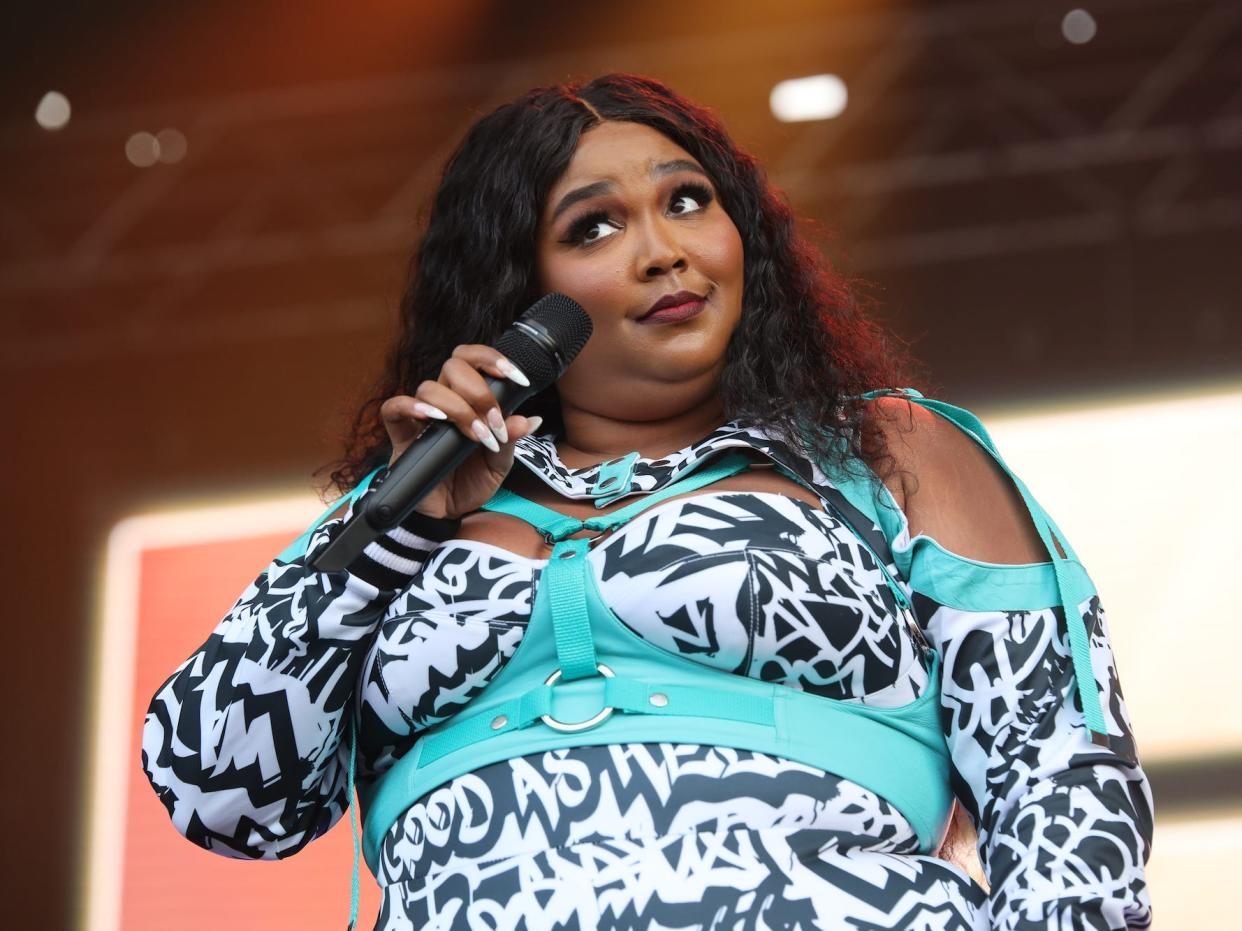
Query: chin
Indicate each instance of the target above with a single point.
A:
(684, 368)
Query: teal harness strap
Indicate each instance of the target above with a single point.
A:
(296, 550)
(617, 694)
(353, 822)
(575, 648)
(553, 525)
(556, 526)
(1073, 588)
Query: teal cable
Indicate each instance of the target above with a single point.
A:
(352, 801)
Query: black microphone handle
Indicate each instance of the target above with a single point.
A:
(431, 459)
(428, 461)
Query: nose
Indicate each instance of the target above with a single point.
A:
(660, 251)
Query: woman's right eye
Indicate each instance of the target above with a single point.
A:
(590, 229)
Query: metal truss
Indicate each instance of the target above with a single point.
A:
(296, 210)
(1040, 132)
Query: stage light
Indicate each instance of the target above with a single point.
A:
(1120, 477)
(1078, 27)
(52, 113)
(818, 97)
(171, 146)
(142, 150)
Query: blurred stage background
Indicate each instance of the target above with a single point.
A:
(200, 261)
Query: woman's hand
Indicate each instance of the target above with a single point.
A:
(461, 396)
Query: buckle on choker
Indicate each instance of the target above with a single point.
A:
(571, 726)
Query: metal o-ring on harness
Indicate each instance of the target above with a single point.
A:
(570, 727)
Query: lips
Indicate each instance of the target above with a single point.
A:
(678, 299)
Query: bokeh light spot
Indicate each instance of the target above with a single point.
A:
(52, 113)
(818, 97)
(172, 146)
(142, 149)
(1078, 27)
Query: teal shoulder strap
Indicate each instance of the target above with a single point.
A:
(1073, 587)
(297, 549)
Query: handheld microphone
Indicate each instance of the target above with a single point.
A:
(542, 343)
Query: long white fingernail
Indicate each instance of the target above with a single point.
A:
(513, 373)
(485, 436)
(428, 411)
(534, 424)
(497, 423)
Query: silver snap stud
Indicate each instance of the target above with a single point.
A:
(499, 721)
(659, 699)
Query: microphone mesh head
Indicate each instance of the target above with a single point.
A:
(561, 328)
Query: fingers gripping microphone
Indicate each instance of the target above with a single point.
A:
(542, 343)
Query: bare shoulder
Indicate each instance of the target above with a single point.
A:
(951, 488)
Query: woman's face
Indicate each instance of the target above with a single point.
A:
(635, 220)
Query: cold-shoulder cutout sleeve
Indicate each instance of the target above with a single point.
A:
(1042, 750)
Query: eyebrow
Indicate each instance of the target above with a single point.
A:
(596, 188)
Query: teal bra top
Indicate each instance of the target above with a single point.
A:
(581, 677)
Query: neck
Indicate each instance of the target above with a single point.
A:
(592, 437)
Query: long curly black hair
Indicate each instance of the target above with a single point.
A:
(804, 348)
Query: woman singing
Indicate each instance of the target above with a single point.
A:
(818, 609)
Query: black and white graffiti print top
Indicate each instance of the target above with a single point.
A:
(244, 744)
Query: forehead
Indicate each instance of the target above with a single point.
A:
(616, 151)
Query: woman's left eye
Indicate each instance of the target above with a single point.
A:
(690, 197)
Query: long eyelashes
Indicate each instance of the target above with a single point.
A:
(578, 230)
(577, 233)
(700, 192)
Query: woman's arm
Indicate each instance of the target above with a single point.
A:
(1064, 822)
(243, 743)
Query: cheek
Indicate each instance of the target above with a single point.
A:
(721, 254)
(722, 258)
(597, 286)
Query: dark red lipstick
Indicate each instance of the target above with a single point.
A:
(673, 308)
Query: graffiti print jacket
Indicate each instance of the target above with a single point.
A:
(243, 743)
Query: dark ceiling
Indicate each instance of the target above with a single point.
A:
(1037, 217)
